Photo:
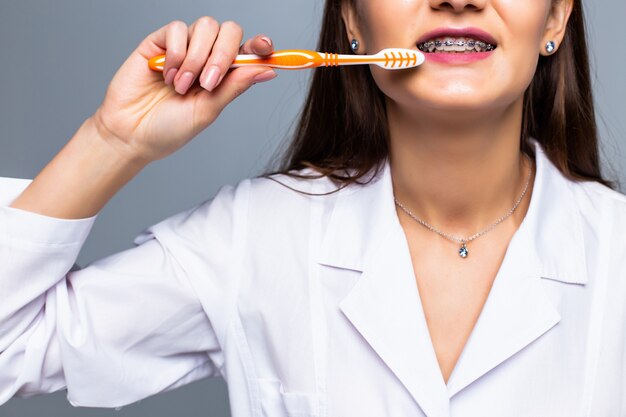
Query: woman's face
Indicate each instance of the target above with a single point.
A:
(518, 30)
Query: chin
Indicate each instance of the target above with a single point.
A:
(470, 102)
(456, 103)
(437, 95)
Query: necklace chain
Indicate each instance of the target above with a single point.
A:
(463, 252)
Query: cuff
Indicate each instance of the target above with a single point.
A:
(33, 228)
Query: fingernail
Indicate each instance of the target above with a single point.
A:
(265, 76)
(184, 82)
(169, 77)
(212, 77)
(266, 40)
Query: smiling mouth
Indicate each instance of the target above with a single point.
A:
(455, 45)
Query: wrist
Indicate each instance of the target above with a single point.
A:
(125, 153)
(81, 178)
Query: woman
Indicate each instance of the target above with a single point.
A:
(438, 242)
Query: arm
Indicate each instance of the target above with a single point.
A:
(125, 327)
(143, 119)
(119, 330)
(82, 178)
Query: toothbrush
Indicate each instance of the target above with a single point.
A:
(391, 59)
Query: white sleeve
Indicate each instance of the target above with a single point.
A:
(124, 327)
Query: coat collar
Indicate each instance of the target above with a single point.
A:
(364, 234)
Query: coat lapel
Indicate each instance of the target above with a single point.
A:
(548, 245)
(364, 234)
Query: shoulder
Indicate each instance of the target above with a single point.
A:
(603, 219)
(599, 200)
(276, 215)
(287, 191)
(257, 199)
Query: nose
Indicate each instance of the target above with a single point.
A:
(457, 6)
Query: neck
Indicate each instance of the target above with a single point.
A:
(459, 175)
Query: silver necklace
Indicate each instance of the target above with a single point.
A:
(463, 251)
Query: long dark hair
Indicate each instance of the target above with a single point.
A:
(343, 124)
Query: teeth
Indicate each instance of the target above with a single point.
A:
(458, 45)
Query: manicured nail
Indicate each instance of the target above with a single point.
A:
(265, 76)
(266, 40)
(184, 82)
(212, 78)
(169, 77)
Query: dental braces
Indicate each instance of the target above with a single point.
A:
(471, 43)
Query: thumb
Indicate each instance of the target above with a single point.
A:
(239, 81)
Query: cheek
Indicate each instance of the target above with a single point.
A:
(389, 23)
(523, 30)
(496, 82)
(522, 25)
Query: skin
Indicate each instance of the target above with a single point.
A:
(151, 115)
(454, 145)
(455, 128)
(146, 116)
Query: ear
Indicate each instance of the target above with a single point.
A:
(556, 23)
(351, 21)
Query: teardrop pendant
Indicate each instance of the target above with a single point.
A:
(463, 252)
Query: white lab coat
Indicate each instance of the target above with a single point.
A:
(308, 306)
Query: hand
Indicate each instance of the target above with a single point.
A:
(149, 115)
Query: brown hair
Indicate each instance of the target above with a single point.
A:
(343, 124)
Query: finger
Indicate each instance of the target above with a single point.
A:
(224, 52)
(259, 45)
(234, 84)
(202, 36)
(154, 43)
(175, 49)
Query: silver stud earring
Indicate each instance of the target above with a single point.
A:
(354, 44)
(550, 47)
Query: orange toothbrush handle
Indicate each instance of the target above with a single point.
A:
(157, 63)
(288, 59)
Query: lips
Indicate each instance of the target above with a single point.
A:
(468, 32)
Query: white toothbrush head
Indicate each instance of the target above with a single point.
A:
(399, 58)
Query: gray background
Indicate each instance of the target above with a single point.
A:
(58, 58)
